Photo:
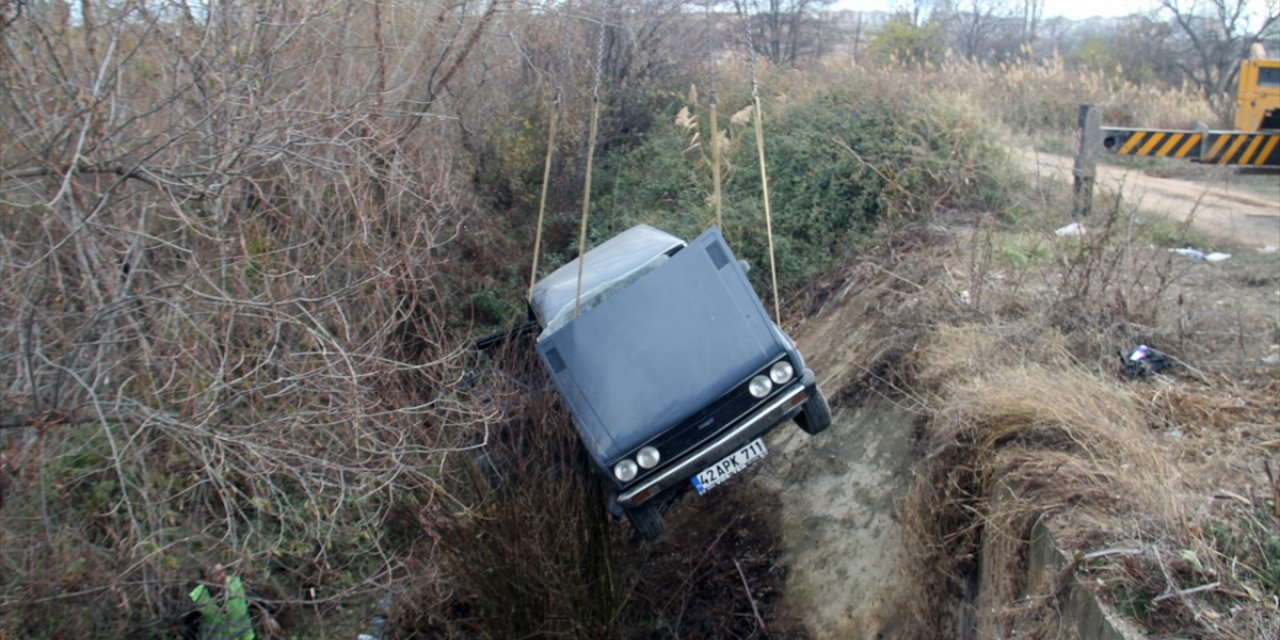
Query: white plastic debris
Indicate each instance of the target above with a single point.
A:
(1073, 229)
(1271, 248)
(1216, 256)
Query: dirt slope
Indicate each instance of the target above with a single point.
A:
(843, 544)
(1222, 210)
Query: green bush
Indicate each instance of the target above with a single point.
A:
(841, 161)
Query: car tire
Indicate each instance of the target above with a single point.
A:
(646, 521)
(816, 415)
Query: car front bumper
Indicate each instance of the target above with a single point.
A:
(781, 408)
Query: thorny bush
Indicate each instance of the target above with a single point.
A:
(226, 242)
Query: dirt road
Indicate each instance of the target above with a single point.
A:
(1220, 209)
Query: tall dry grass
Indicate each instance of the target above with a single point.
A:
(1038, 95)
(1019, 434)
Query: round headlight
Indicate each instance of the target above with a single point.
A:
(781, 372)
(648, 457)
(625, 470)
(760, 386)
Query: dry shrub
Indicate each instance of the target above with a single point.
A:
(1036, 95)
(1012, 442)
(532, 551)
(533, 555)
(1030, 419)
(226, 243)
(719, 573)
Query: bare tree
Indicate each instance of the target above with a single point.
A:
(1217, 35)
(857, 39)
(1032, 12)
(974, 25)
(787, 30)
(919, 12)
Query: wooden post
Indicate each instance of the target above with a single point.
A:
(1088, 138)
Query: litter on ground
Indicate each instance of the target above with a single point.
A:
(1216, 256)
(1143, 362)
(1073, 229)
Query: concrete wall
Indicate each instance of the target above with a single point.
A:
(1020, 585)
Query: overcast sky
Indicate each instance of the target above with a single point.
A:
(1073, 9)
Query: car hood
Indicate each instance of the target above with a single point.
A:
(660, 349)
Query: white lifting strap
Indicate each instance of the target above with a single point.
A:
(764, 175)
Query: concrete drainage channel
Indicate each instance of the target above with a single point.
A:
(1082, 615)
(849, 573)
(844, 548)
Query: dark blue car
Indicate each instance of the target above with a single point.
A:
(670, 366)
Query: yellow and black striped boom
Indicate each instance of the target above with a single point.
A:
(1239, 148)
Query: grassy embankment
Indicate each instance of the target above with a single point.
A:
(1009, 339)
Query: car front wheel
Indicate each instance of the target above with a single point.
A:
(646, 521)
(816, 415)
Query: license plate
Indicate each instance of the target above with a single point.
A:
(730, 466)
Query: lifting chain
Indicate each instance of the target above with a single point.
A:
(715, 163)
(715, 132)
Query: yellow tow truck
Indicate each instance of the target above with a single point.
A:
(1255, 141)
(1258, 97)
